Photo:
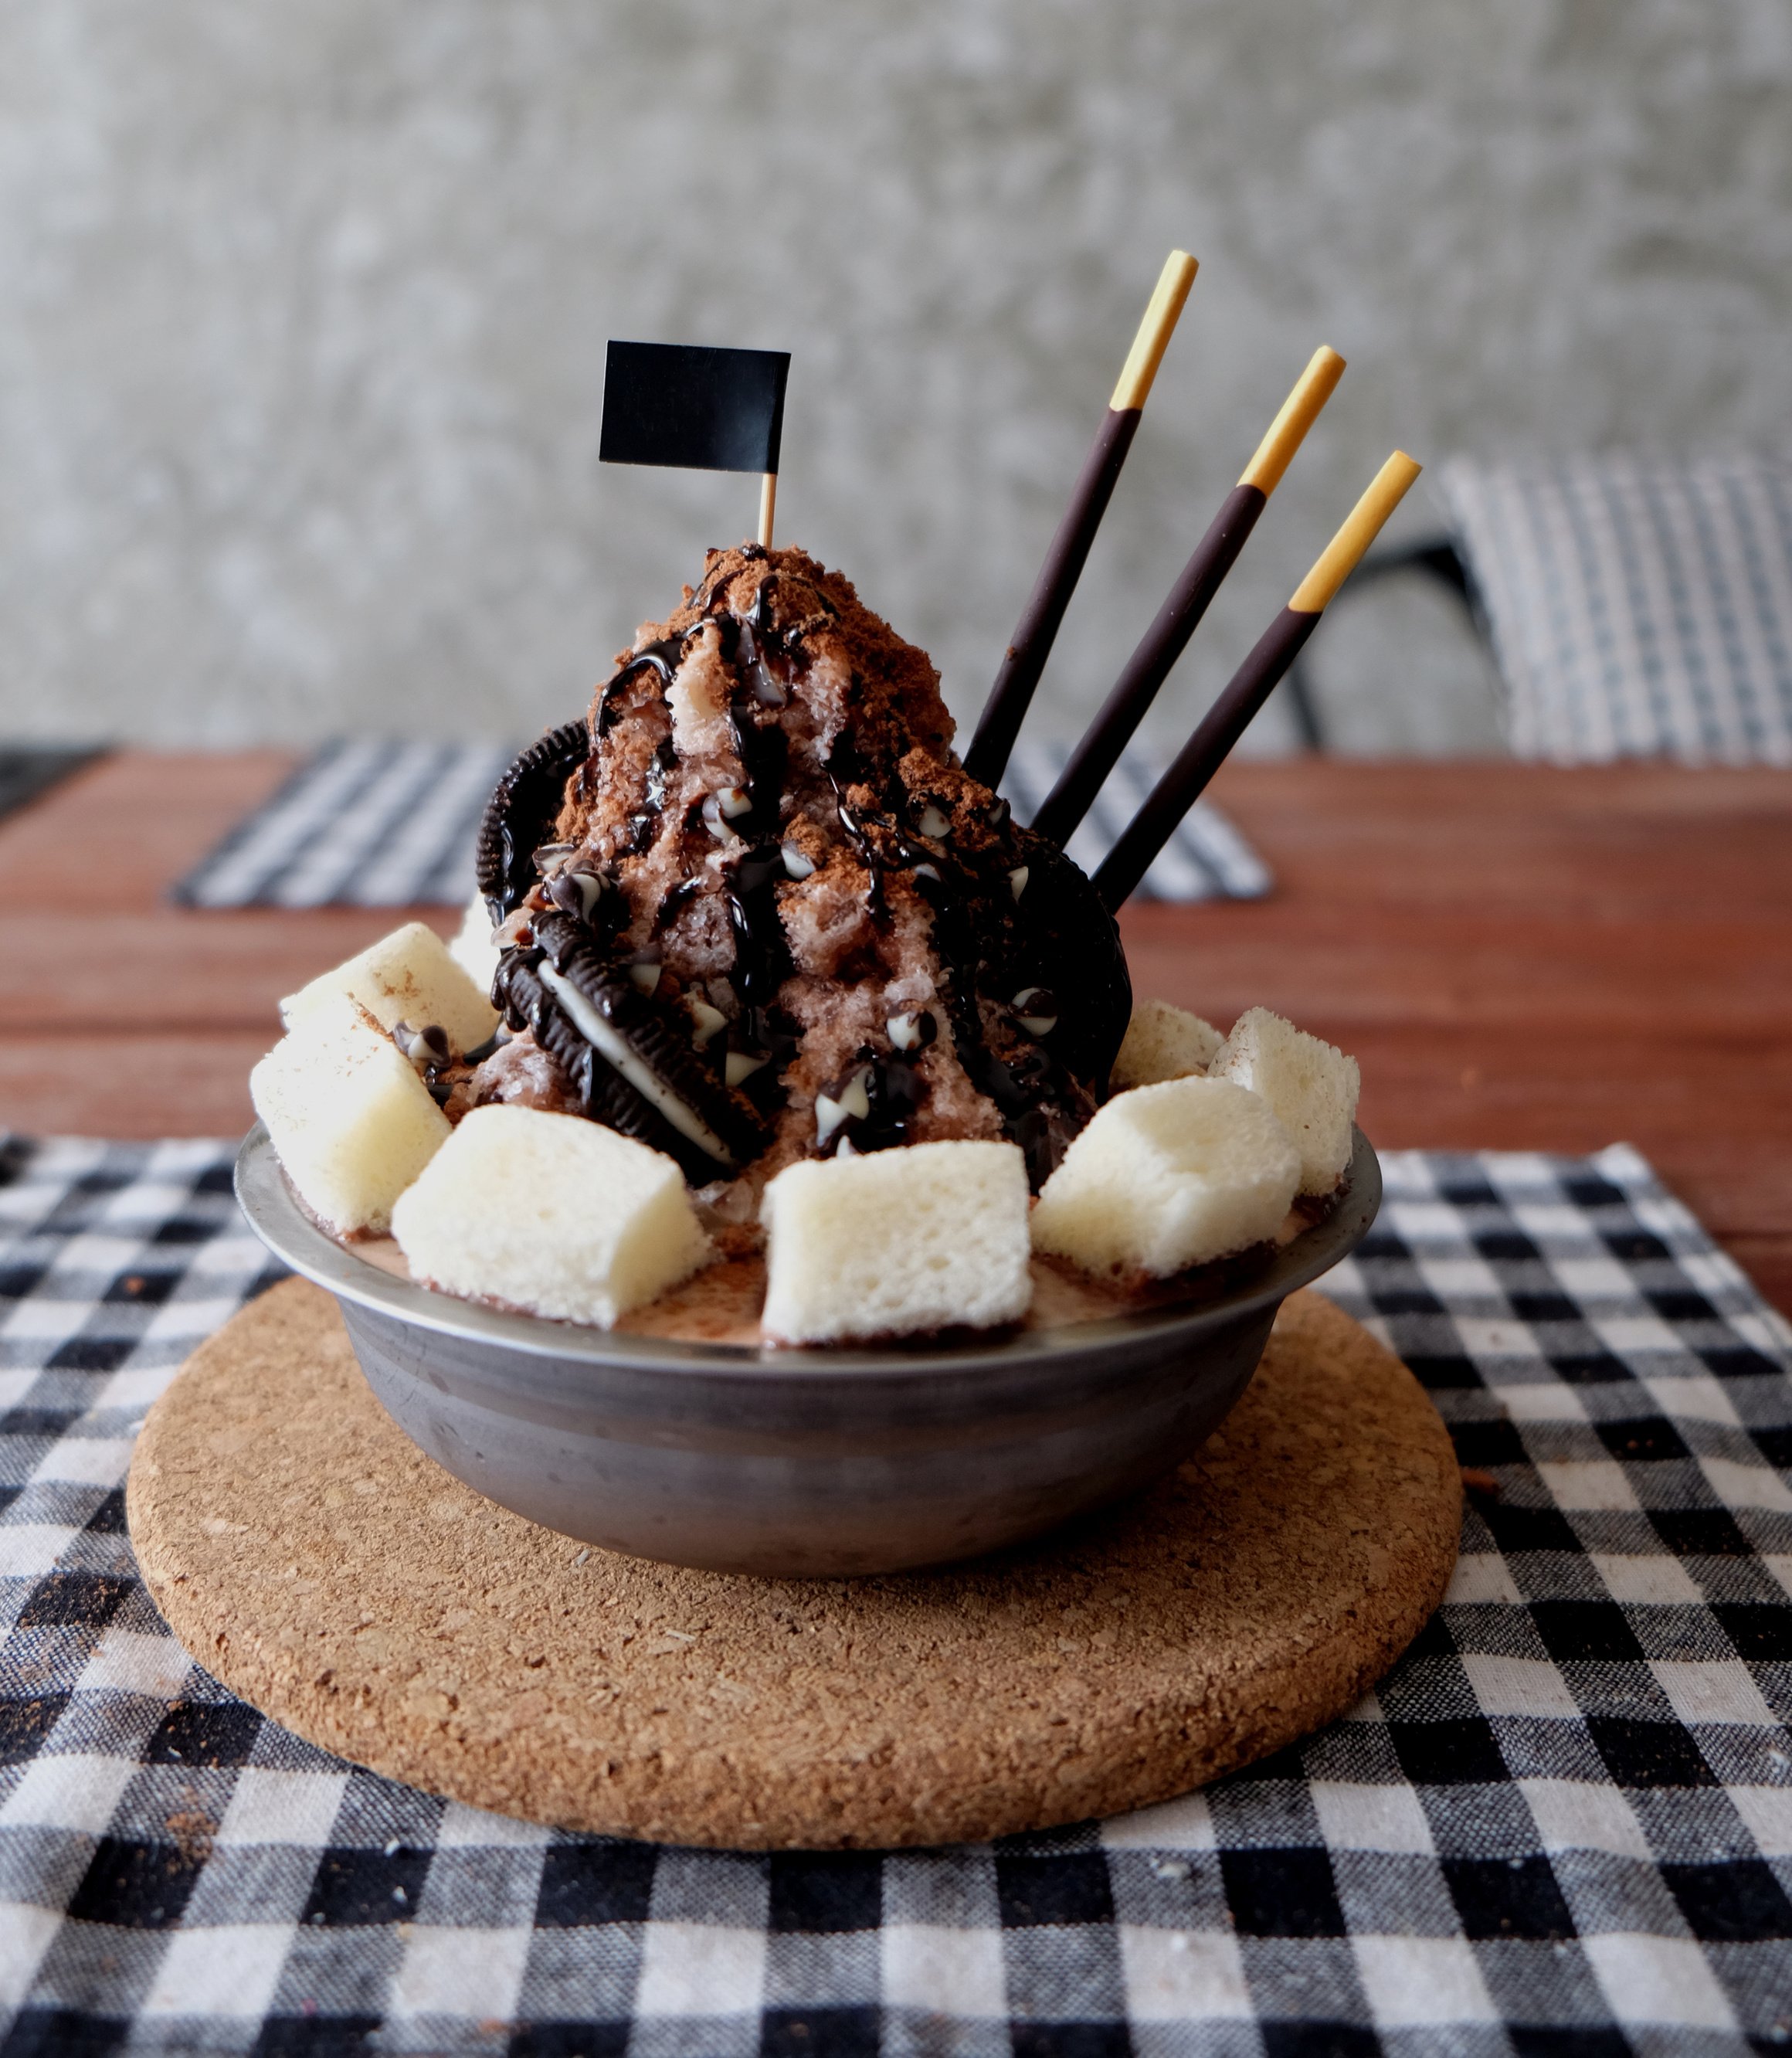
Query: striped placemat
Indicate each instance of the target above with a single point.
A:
(27, 770)
(374, 824)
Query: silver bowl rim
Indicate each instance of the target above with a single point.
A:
(275, 1214)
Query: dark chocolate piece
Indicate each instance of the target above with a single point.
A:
(675, 902)
(588, 896)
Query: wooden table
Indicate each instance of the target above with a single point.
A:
(1521, 958)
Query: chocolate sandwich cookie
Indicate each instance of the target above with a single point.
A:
(646, 1079)
(1036, 984)
(531, 1001)
(1065, 945)
(520, 816)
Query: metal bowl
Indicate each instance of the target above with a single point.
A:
(807, 1463)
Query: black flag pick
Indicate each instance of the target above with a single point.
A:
(698, 410)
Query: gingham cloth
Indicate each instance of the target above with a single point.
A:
(25, 773)
(388, 825)
(1563, 1824)
(1637, 608)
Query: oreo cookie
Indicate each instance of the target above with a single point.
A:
(1065, 942)
(519, 817)
(1020, 925)
(636, 1069)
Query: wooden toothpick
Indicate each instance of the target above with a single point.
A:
(768, 507)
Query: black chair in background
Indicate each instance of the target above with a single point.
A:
(1436, 559)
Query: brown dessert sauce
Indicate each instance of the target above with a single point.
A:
(721, 1304)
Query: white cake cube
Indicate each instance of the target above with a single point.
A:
(407, 976)
(352, 1122)
(927, 1236)
(472, 948)
(1164, 1042)
(1168, 1176)
(1311, 1085)
(552, 1214)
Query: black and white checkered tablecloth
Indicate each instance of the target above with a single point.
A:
(390, 825)
(1563, 1824)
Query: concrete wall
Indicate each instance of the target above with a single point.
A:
(303, 309)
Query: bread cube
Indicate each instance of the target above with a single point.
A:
(352, 1122)
(407, 976)
(551, 1213)
(472, 949)
(1168, 1176)
(1311, 1085)
(1163, 1042)
(927, 1236)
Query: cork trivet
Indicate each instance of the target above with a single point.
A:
(316, 1562)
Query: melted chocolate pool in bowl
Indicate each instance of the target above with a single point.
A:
(721, 1303)
(753, 910)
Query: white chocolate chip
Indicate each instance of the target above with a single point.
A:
(708, 1023)
(426, 1048)
(855, 1101)
(1017, 881)
(1036, 1020)
(591, 887)
(716, 823)
(911, 1032)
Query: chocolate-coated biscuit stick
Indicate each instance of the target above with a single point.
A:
(1165, 641)
(1250, 686)
(1037, 630)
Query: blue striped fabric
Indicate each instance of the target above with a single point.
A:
(371, 824)
(1637, 608)
(381, 823)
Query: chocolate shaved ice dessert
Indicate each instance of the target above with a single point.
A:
(753, 911)
(752, 919)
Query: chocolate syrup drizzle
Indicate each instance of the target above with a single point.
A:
(665, 656)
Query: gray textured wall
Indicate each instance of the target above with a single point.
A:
(302, 313)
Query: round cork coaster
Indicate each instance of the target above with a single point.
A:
(316, 1562)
